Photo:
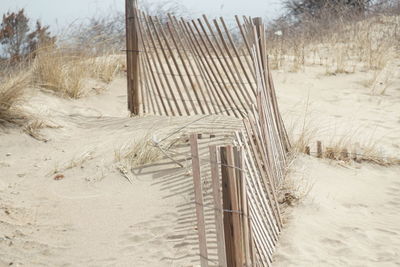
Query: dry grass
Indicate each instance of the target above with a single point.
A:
(348, 46)
(64, 71)
(105, 68)
(12, 91)
(349, 152)
(294, 190)
(60, 72)
(33, 129)
(77, 161)
(140, 152)
(344, 148)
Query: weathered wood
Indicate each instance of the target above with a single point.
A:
(209, 69)
(235, 50)
(169, 67)
(132, 57)
(227, 205)
(245, 218)
(193, 104)
(195, 68)
(235, 204)
(261, 160)
(259, 204)
(236, 85)
(223, 85)
(219, 220)
(159, 72)
(175, 40)
(202, 78)
(319, 149)
(198, 196)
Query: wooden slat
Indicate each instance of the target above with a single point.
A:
(194, 104)
(149, 64)
(263, 211)
(209, 68)
(180, 52)
(171, 72)
(199, 84)
(203, 82)
(235, 206)
(245, 214)
(219, 221)
(198, 196)
(235, 50)
(236, 84)
(265, 177)
(245, 38)
(162, 73)
(219, 78)
(227, 205)
(203, 64)
(148, 103)
(155, 68)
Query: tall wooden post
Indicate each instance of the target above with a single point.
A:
(132, 57)
(198, 196)
(232, 211)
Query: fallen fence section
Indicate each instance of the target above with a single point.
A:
(247, 219)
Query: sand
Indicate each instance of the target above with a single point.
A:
(350, 212)
(95, 217)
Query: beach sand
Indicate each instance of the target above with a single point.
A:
(93, 216)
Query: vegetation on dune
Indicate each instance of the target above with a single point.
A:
(343, 36)
(11, 96)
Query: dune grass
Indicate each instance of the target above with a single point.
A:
(12, 92)
(346, 149)
(64, 71)
(341, 46)
(140, 152)
(60, 72)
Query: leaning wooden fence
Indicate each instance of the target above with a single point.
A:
(179, 67)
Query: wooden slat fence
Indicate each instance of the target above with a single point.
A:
(180, 67)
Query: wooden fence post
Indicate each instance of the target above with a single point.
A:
(240, 165)
(232, 216)
(219, 212)
(198, 198)
(132, 57)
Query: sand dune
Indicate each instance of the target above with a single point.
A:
(95, 217)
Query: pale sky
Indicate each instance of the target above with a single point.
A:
(62, 12)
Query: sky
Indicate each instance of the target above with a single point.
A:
(60, 13)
